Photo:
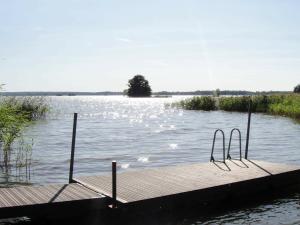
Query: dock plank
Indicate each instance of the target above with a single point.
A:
(32, 195)
(148, 184)
(195, 182)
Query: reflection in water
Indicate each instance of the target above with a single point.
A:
(125, 166)
(143, 159)
(133, 131)
(173, 146)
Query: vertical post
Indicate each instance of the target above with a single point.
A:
(114, 184)
(248, 128)
(73, 148)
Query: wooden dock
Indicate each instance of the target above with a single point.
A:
(149, 184)
(202, 182)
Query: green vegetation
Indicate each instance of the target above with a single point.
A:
(15, 114)
(138, 86)
(260, 103)
(284, 105)
(205, 103)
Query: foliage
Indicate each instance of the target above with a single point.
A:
(297, 89)
(138, 86)
(205, 103)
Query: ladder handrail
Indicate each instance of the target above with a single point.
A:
(240, 142)
(212, 159)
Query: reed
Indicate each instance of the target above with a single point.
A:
(205, 103)
(283, 105)
(16, 113)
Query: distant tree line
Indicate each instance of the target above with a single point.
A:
(207, 92)
(218, 92)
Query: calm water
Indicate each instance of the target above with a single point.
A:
(140, 133)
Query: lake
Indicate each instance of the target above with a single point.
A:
(143, 133)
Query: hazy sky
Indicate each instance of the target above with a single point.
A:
(94, 45)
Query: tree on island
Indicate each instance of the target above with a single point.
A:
(138, 86)
(297, 89)
(217, 92)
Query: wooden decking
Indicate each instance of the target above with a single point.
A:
(202, 182)
(18, 201)
(32, 195)
(143, 185)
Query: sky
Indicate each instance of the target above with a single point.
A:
(95, 45)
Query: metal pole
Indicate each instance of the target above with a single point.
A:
(114, 184)
(73, 148)
(248, 128)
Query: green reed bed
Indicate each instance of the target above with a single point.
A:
(16, 113)
(205, 103)
(288, 106)
(283, 105)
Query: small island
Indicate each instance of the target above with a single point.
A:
(138, 86)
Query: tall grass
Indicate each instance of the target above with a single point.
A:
(288, 106)
(16, 113)
(284, 105)
(205, 103)
(31, 108)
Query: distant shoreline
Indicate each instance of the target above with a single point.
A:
(162, 93)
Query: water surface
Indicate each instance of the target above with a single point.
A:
(143, 133)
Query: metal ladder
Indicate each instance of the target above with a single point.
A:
(240, 143)
(212, 159)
